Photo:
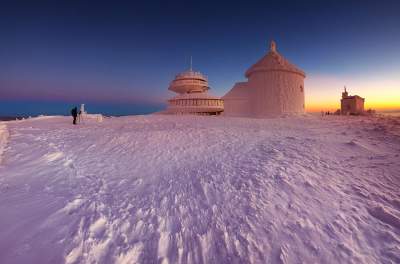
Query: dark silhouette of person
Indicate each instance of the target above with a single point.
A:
(74, 113)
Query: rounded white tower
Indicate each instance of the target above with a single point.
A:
(278, 85)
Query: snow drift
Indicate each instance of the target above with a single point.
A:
(185, 189)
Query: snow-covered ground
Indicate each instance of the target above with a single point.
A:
(187, 189)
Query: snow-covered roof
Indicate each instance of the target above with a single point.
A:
(189, 81)
(273, 61)
(353, 97)
(239, 91)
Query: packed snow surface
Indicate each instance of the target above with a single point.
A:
(186, 189)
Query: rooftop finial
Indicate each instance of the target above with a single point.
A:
(345, 94)
(272, 46)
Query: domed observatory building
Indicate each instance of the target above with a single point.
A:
(193, 97)
(275, 87)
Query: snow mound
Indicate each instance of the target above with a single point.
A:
(385, 215)
(192, 189)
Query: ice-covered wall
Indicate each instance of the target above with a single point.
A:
(237, 101)
(276, 92)
(352, 105)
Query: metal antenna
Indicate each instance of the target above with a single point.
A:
(191, 62)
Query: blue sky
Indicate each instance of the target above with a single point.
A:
(119, 56)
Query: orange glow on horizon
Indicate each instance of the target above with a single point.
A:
(323, 93)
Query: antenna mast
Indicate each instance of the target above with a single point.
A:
(191, 62)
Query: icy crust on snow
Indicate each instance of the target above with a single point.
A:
(184, 189)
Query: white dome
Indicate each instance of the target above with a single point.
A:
(273, 61)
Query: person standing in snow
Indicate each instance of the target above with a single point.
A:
(74, 113)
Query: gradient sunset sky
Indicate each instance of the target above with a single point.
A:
(118, 57)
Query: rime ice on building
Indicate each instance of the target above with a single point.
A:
(193, 97)
(274, 87)
(351, 105)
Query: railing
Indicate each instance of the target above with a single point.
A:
(197, 103)
(184, 82)
(191, 74)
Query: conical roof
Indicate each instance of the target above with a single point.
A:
(273, 61)
(239, 91)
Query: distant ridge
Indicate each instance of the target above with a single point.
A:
(10, 118)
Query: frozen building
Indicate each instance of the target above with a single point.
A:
(351, 105)
(193, 97)
(274, 87)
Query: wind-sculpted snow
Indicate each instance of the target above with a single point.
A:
(186, 189)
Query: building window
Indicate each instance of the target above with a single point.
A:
(301, 88)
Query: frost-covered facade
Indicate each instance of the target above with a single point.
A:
(351, 105)
(193, 97)
(274, 87)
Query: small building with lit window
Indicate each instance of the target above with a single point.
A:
(274, 87)
(351, 104)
